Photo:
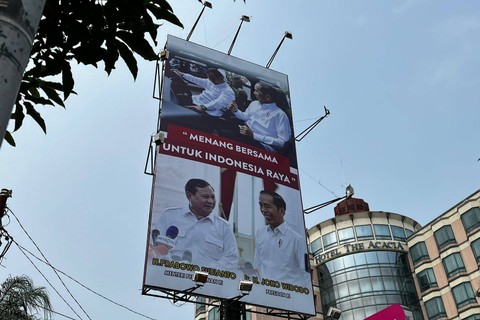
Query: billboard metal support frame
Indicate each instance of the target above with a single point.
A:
(157, 84)
(304, 133)
(184, 296)
(150, 159)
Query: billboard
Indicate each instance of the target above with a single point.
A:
(226, 196)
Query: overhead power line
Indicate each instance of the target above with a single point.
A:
(48, 281)
(44, 257)
(45, 261)
(84, 286)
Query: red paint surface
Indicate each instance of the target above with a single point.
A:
(394, 312)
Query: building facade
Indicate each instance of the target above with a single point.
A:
(365, 261)
(360, 260)
(445, 258)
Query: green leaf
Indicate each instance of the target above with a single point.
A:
(111, 57)
(52, 85)
(161, 13)
(53, 95)
(162, 3)
(67, 80)
(36, 116)
(18, 115)
(138, 44)
(38, 100)
(128, 57)
(9, 139)
(33, 90)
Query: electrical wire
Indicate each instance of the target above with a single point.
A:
(84, 286)
(55, 312)
(64, 285)
(318, 181)
(44, 277)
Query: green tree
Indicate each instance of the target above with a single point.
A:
(21, 300)
(88, 32)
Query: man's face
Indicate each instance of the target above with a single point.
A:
(273, 215)
(261, 97)
(202, 202)
(212, 77)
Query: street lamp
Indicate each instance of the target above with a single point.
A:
(349, 192)
(287, 35)
(206, 4)
(244, 19)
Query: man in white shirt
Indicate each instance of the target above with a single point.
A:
(280, 252)
(265, 122)
(194, 234)
(215, 97)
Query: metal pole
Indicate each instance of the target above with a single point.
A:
(244, 18)
(205, 4)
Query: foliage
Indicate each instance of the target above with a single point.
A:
(89, 32)
(20, 300)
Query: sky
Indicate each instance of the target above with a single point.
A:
(400, 78)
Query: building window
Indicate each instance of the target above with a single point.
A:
(453, 264)
(471, 219)
(382, 232)
(463, 294)
(398, 233)
(345, 235)
(419, 252)
(426, 279)
(329, 240)
(316, 246)
(364, 232)
(409, 232)
(476, 249)
(200, 306)
(444, 236)
(214, 313)
(435, 308)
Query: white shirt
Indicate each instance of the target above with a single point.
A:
(280, 255)
(215, 97)
(208, 242)
(269, 123)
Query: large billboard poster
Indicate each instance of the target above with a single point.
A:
(226, 197)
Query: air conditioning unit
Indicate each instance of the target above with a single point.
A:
(334, 313)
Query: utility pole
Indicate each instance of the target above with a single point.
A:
(19, 21)
(4, 195)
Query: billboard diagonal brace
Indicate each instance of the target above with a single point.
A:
(304, 133)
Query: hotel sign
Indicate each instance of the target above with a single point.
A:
(349, 248)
